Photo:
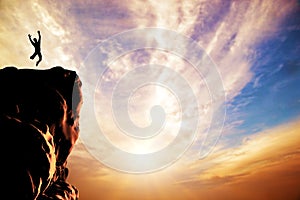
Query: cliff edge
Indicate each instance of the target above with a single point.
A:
(39, 125)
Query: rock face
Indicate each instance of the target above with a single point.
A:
(39, 125)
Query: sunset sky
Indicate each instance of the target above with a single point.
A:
(234, 119)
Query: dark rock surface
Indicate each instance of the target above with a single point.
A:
(39, 125)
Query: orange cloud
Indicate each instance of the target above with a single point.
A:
(264, 166)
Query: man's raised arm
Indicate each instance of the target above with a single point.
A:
(29, 36)
(39, 33)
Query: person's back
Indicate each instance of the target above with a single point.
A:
(37, 44)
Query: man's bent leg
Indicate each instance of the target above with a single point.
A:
(33, 55)
(40, 59)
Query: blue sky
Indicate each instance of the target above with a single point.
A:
(255, 46)
(273, 95)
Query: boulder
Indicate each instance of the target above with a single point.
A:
(39, 122)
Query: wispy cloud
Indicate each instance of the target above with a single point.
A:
(265, 165)
(258, 152)
(59, 34)
(229, 31)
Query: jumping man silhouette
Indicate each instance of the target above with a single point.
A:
(37, 48)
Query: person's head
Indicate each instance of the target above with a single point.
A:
(34, 39)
